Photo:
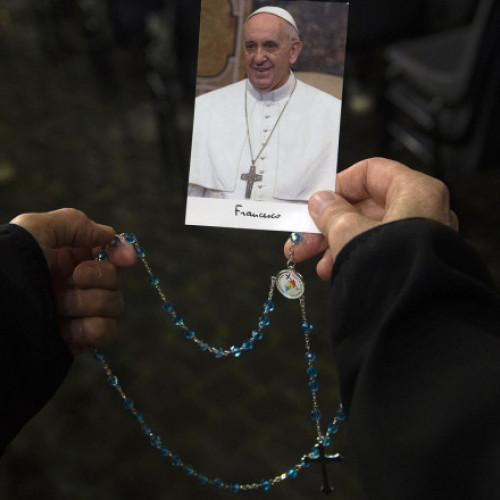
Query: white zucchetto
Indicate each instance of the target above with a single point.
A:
(276, 11)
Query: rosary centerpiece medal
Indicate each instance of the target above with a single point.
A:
(290, 283)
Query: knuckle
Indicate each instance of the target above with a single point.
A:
(84, 274)
(69, 303)
(344, 222)
(120, 304)
(69, 212)
(98, 331)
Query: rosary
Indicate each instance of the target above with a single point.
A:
(292, 286)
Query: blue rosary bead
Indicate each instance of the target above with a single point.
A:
(316, 415)
(168, 307)
(312, 372)
(296, 237)
(333, 428)
(265, 485)
(139, 416)
(113, 381)
(176, 461)
(264, 321)
(313, 386)
(188, 470)
(341, 416)
(219, 483)
(116, 242)
(307, 328)
(292, 473)
(155, 441)
(235, 351)
(102, 255)
(247, 345)
(146, 429)
(189, 334)
(140, 252)
(234, 488)
(98, 355)
(163, 451)
(178, 321)
(154, 280)
(202, 479)
(130, 238)
(268, 306)
(257, 335)
(310, 356)
(129, 404)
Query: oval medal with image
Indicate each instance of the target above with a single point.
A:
(290, 284)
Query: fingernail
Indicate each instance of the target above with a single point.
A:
(320, 201)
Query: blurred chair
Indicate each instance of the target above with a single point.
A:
(441, 91)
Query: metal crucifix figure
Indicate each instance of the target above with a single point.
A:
(322, 459)
(251, 177)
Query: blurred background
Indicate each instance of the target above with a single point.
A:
(96, 101)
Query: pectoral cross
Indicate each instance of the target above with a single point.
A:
(323, 459)
(251, 177)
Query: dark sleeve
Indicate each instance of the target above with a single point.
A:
(33, 358)
(416, 331)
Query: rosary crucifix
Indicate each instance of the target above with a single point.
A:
(322, 459)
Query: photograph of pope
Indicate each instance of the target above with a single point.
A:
(269, 137)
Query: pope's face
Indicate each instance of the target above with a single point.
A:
(269, 51)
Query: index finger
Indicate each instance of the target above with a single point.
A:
(386, 190)
(369, 179)
(66, 227)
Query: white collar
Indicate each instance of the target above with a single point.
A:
(273, 95)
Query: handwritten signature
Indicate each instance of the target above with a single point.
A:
(238, 210)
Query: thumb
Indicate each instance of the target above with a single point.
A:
(337, 219)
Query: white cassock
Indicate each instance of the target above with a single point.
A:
(299, 159)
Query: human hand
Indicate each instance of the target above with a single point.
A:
(370, 193)
(87, 295)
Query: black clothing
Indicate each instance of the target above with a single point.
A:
(33, 358)
(416, 330)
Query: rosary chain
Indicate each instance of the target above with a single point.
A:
(322, 440)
